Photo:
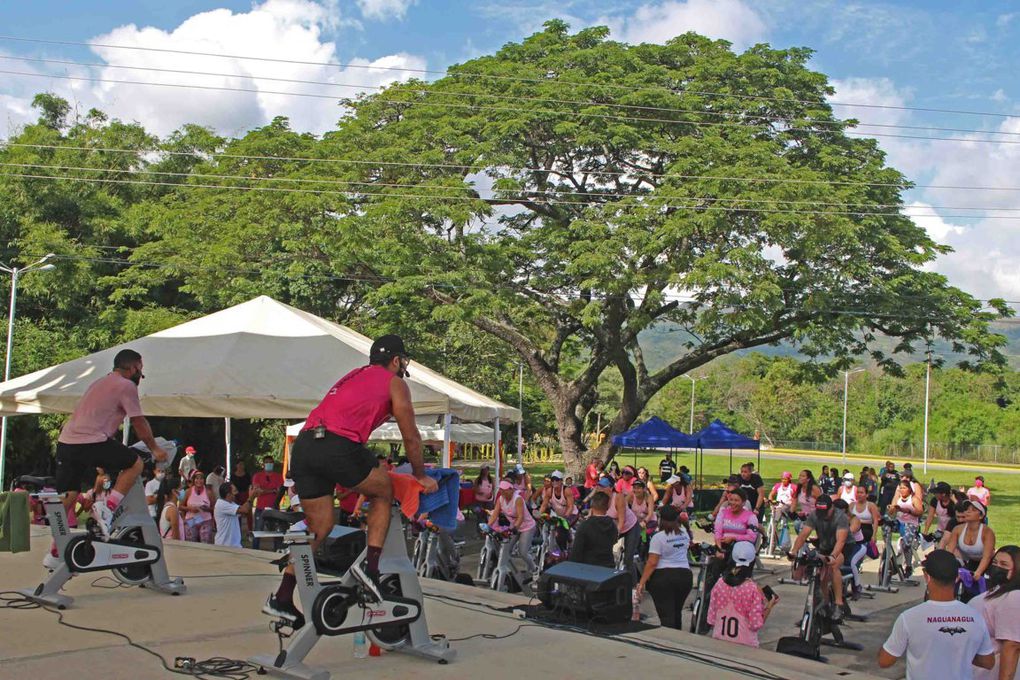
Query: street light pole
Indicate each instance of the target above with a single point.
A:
(927, 393)
(846, 392)
(520, 407)
(15, 272)
(693, 380)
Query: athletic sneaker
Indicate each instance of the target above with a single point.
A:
(51, 561)
(284, 610)
(837, 613)
(369, 582)
(104, 518)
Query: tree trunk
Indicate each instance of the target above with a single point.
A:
(569, 431)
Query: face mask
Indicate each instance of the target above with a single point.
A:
(996, 576)
(848, 483)
(160, 475)
(979, 484)
(181, 494)
(136, 377)
(106, 485)
(269, 467)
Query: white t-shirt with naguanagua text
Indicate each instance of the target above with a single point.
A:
(940, 640)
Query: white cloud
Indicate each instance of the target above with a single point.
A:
(291, 30)
(731, 20)
(1004, 20)
(925, 217)
(381, 10)
(999, 96)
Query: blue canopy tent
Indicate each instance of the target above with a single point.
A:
(716, 435)
(654, 433)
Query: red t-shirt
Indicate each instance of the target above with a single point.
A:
(271, 481)
(357, 404)
(349, 503)
(591, 476)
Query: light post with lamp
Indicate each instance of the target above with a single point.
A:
(39, 265)
(846, 392)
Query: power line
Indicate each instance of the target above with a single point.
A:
(304, 180)
(838, 124)
(668, 297)
(498, 201)
(481, 107)
(474, 168)
(462, 74)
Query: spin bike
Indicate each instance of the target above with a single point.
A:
(439, 554)
(133, 553)
(777, 531)
(892, 562)
(817, 620)
(497, 567)
(343, 605)
(704, 553)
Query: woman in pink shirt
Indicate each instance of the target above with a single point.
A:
(626, 481)
(1000, 607)
(626, 521)
(979, 492)
(510, 504)
(483, 488)
(738, 607)
(198, 519)
(735, 522)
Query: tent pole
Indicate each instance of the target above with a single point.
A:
(731, 461)
(226, 436)
(127, 431)
(496, 451)
(447, 455)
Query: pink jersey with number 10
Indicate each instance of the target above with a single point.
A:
(737, 613)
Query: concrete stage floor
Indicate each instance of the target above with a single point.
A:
(220, 616)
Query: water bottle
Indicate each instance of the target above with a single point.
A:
(360, 645)
(636, 603)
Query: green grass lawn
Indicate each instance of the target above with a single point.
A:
(1003, 515)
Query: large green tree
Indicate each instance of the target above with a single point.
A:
(634, 186)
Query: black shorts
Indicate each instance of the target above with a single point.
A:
(77, 463)
(318, 465)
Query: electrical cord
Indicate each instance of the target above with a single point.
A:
(209, 669)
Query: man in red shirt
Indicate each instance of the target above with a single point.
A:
(591, 473)
(265, 486)
(331, 450)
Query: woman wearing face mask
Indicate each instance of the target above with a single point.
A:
(614, 471)
(198, 519)
(171, 521)
(94, 500)
(979, 492)
(848, 490)
(807, 491)
(1000, 608)
(510, 504)
(972, 542)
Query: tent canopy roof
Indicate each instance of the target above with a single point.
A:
(258, 359)
(655, 433)
(430, 431)
(716, 435)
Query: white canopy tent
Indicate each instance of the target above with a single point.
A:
(430, 431)
(258, 359)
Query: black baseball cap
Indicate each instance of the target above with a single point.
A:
(824, 501)
(943, 487)
(386, 347)
(941, 565)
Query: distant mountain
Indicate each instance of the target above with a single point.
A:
(665, 341)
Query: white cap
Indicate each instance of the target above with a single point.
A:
(673, 479)
(556, 474)
(288, 483)
(520, 469)
(744, 553)
(849, 476)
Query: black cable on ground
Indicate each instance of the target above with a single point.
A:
(216, 668)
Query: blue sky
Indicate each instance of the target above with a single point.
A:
(928, 54)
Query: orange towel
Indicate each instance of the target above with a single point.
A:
(406, 491)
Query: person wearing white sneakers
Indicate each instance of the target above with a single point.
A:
(88, 441)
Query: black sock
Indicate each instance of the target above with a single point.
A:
(372, 563)
(286, 592)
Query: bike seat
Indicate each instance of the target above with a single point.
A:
(282, 516)
(38, 482)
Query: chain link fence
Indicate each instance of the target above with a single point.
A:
(979, 453)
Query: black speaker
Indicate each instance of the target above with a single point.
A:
(586, 591)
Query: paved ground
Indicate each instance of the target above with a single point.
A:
(220, 616)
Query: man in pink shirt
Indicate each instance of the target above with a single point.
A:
(87, 440)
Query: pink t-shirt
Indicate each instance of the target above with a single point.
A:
(101, 410)
(740, 525)
(357, 404)
(509, 508)
(736, 614)
(624, 486)
(1002, 615)
(629, 518)
(980, 494)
